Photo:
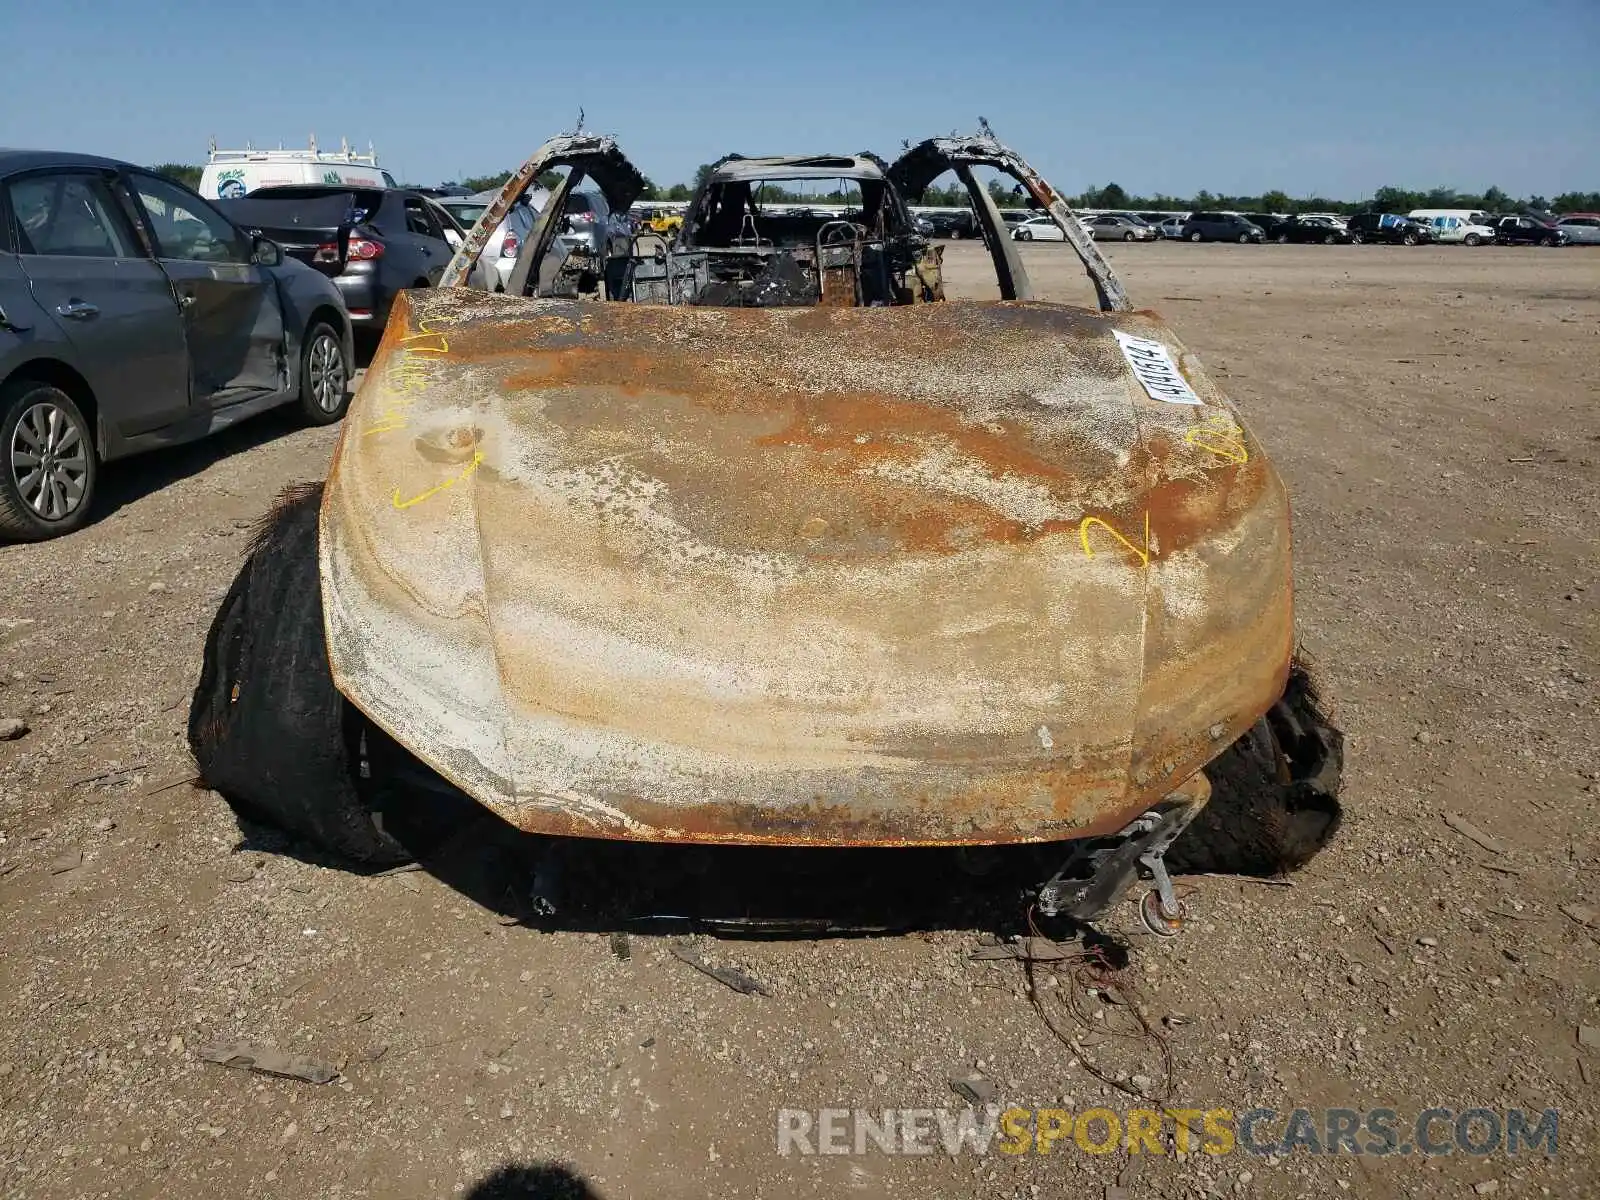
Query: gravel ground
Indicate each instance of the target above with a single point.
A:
(1433, 412)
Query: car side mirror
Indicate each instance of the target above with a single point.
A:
(264, 252)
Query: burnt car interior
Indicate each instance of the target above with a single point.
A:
(737, 248)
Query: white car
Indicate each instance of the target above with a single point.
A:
(482, 276)
(508, 236)
(1040, 229)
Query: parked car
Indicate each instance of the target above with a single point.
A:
(1388, 227)
(373, 243)
(1582, 229)
(134, 315)
(1172, 228)
(1529, 231)
(1221, 227)
(231, 174)
(1455, 225)
(1038, 229)
(589, 226)
(1307, 230)
(507, 238)
(1119, 227)
(664, 221)
(1263, 221)
(483, 275)
(960, 224)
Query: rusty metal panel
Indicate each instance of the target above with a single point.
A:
(926, 161)
(944, 573)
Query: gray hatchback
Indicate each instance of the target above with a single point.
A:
(133, 315)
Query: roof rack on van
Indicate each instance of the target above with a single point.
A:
(313, 155)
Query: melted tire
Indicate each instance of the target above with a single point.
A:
(267, 728)
(1274, 792)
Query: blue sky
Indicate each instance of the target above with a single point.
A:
(1330, 97)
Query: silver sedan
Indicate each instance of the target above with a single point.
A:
(1117, 227)
(1581, 230)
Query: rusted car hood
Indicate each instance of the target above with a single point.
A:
(945, 573)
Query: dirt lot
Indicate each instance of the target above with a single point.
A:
(1434, 414)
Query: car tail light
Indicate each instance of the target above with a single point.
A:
(326, 253)
(363, 249)
(508, 248)
(581, 218)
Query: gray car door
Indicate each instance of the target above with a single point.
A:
(89, 274)
(431, 245)
(232, 314)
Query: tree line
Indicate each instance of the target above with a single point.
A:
(1112, 196)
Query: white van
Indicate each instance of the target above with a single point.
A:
(1464, 225)
(233, 173)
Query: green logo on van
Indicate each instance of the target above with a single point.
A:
(331, 177)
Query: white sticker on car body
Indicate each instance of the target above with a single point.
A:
(1154, 369)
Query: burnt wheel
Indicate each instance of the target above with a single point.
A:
(1274, 792)
(267, 728)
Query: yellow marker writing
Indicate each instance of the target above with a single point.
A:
(1143, 555)
(466, 472)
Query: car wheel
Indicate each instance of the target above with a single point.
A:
(1244, 239)
(1329, 239)
(1547, 241)
(1408, 239)
(1473, 239)
(1283, 239)
(1355, 239)
(1024, 236)
(324, 376)
(1128, 237)
(1275, 791)
(267, 727)
(48, 482)
(1196, 236)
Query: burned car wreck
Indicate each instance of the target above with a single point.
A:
(750, 536)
